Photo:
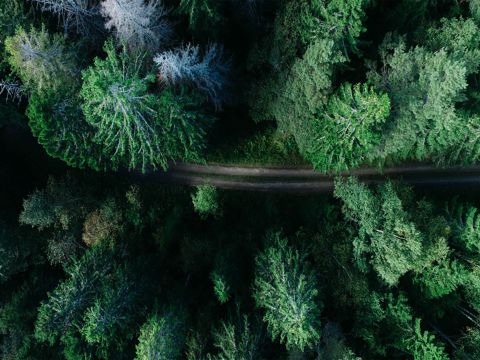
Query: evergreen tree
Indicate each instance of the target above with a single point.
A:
(424, 87)
(205, 200)
(64, 309)
(460, 37)
(204, 16)
(349, 129)
(42, 61)
(12, 16)
(162, 336)
(332, 346)
(134, 127)
(388, 238)
(285, 288)
(238, 339)
(122, 112)
(110, 318)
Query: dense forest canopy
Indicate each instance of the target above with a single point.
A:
(98, 260)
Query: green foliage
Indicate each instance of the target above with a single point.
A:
(162, 336)
(402, 330)
(460, 37)
(12, 16)
(111, 316)
(117, 105)
(441, 279)
(265, 148)
(469, 345)
(59, 209)
(305, 92)
(204, 16)
(424, 87)
(302, 80)
(285, 287)
(42, 61)
(332, 346)
(388, 237)
(60, 128)
(349, 129)
(66, 304)
(475, 9)
(342, 21)
(423, 346)
(57, 205)
(220, 287)
(465, 223)
(386, 233)
(182, 126)
(13, 251)
(134, 127)
(293, 29)
(238, 339)
(205, 200)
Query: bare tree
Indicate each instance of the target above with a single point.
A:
(77, 14)
(13, 90)
(137, 23)
(185, 64)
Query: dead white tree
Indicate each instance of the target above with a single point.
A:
(73, 14)
(137, 23)
(185, 64)
(13, 90)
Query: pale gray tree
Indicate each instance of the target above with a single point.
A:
(139, 24)
(79, 15)
(12, 90)
(185, 64)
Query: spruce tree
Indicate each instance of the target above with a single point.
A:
(348, 131)
(285, 288)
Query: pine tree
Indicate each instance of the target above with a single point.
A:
(205, 200)
(111, 316)
(424, 87)
(134, 127)
(162, 337)
(423, 346)
(285, 288)
(305, 91)
(123, 114)
(349, 129)
(387, 237)
(238, 339)
(60, 127)
(465, 223)
(475, 9)
(460, 37)
(332, 346)
(139, 24)
(203, 15)
(64, 309)
(12, 16)
(42, 61)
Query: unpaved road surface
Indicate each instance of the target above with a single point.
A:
(300, 179)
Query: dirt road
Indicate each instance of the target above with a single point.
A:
(299, 179)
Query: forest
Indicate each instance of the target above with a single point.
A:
(101, 260)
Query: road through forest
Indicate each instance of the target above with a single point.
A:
(302, 179)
